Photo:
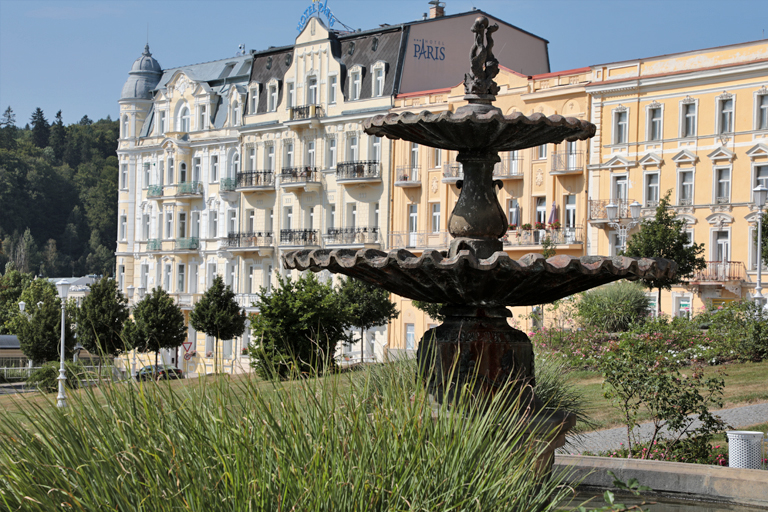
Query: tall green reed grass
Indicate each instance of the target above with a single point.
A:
(362, 441)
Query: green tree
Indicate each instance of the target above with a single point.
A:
(665, 236)
(8, 129)
(298, 327)
(368, 306)
(613, 307)
(12, 284)
(58, 139)
(217, 314)
(159, 323)
(41, 130)
(430, 308)
(39, 327)
(101, 317)
(548, 247)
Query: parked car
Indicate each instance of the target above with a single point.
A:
(160, 371)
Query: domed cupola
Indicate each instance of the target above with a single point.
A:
(143, 77)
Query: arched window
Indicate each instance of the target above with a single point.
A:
(126, 127)
(184, 119)
(235, 165)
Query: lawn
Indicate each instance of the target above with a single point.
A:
(745, 383)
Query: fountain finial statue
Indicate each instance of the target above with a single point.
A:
(483, 65)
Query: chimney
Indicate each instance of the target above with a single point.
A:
(437, 9)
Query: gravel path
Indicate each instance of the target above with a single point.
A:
(612, 438)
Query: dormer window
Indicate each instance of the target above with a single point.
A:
(184, 119)
(236, 113)
(254, 104)
(332, 80)
(202, 124)
(161, 122)
(272, 98)
(355, 83)
(379, 72)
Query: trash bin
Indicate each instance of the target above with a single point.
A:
(744, 449)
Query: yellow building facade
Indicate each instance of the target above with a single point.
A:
(695, 125)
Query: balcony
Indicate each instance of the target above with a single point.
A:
(187, 244)
(154, 244)
(564, 162)
(419, 240)
(189, 188)
(533, 237)
(352, 236)
(300, 237)
(155, 191)
(305, 112)
(296, 178)
(510, 167)
(247, 300)
(351, 173)
(256, 180)
(407, 176)
(249, 240)
(453, 172)
(718, 272)
(598, 215)
(227, 184)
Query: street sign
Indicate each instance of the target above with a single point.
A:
(187, 345)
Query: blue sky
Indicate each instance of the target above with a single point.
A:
(75, 55)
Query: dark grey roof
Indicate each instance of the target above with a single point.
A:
(9, 341)
(147, 128)
(143, 77)
(359, 50)
(269, 65)
(215, 72)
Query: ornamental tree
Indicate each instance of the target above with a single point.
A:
(12, 284)
(159, 323)
(298, 327)
(665, 236)
(368, 306)
(101, 317)
(217, 314)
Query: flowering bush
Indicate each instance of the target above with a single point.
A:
(525, 226)
(512, 227)
(540, 225)
(555, 225)
(244, 351)
(692, 451)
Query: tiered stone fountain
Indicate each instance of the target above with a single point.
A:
(475, 278)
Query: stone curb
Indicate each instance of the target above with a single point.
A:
(676, 479)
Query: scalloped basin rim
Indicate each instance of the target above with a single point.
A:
(465, 279)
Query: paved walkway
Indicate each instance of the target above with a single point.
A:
(612, 438)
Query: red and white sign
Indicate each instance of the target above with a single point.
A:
(187, 345)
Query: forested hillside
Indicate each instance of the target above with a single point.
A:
(58, 195)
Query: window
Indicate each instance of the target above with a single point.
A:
(202, 123)
(722, 246)
(289, 88)
(213, 225)
(761, 176)
(413, 224)
(620, 188)
(168, 224)
(272, 98)
(689, 119)
(725, 116)
(145, 227)
(689, 237)
(311, 218)
(435, 217)
(197, 169)
(683, 306)
(211, 272)
(232, 221)
(332, 89)
(651, 189)
(161, 122)
(414, 155)
(570, 212)
(231, 279)
(214, 168)
(252, 159)
(182, 172)
(193, 279)
(195, 224)
(126, 127)
(541, 152)
(376, 149)
(332, 216)
(355, 81)
(144, 276)
(762, 112)
(123, 227)
(376, 214)
(235, 165)
(331, 157)
(654, 123)
(352, 149)
(171, 171)
(124, 176)
(288, 217)
(236, 113)
(182, 225)
(146, 175)
(513, 212)
(269, 162)
(685, 187)
(541, 210)
(180, 279)
(167, 278)
(268, 220)
(268, 279)
(288, 157)
(209, 345)
(254, 105)
(184, 119)
(251, 216)
(620, 125)
(410, 336)
(250, 285)
(310, 162)
(161, 172)
(723, 185)
(120, 277)
(352, 216)
(312, 96)
(378, 82)
(438, 157)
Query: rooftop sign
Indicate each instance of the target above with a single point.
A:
(320, 9)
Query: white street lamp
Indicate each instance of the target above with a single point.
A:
(22, 305)
(760, 194)
(612, 211)
(63, 288)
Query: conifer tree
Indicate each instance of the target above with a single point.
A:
(58, 139)
(159, 323)
(41, 130)
(8, 130)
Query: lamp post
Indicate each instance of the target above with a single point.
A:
(63, 288)
(613, 220)
(760, 194)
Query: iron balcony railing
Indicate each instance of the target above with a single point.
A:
(155, 191)
(190, 188)
(357, 235)
(597, 208)
(721, 271)
(453, 170)
(511, 166)
(559, 236)
(358, 170)
(306, 112)
(249, 239)
(227, 184)
(419, 239)
(299, 237)
(255, 179)
(192, 242)
(154, 244)
(564, 161)
(299, 175)
(407, 173)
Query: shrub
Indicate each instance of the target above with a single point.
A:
(45, 377)
(614, 307)
(738, 330)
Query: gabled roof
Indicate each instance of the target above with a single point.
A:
(619, 162)
(721, 153)
(651, 159)
(758, 150)
(685, 157)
